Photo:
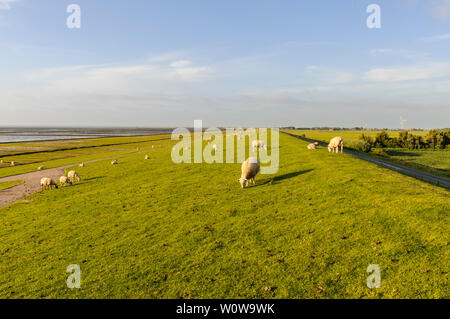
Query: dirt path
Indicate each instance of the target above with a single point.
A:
(32, 180)
(433, 179)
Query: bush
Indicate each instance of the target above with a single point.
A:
(380, 152)
(359, 145)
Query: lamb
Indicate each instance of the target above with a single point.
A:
(72, 175)
(311, 147)
(63, 181)
(48, 183)
(257, 144)
(115, 162)
(335, 143)
(249, 169)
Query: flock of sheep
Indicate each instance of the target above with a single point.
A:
(48, 183)
(249, 168)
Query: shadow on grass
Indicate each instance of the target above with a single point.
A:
(282, 177)
(402, 153)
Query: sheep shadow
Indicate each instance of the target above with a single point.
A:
(402, 153)
(283, 177)
(94, 178)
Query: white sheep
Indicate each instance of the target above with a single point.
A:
(13, 163)
(257, 144)
(147, 157)
(48, 183)
(316, 143)
(40, 168)
(335, 143)
(153, 146)
(249, 169)
(81, 165)
(1, 161)
(311, 147)
(115, 162)
(63, 181)
(72, 175)
(214, 147)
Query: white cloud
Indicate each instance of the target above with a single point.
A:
(409, 73)
(181, 64)
(6, 4)
(440, 37)
(441, 8)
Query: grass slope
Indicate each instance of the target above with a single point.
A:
(154, 229)
(6, 185)
(431, 161)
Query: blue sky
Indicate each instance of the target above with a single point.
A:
(250, 63)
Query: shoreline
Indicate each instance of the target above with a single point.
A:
(84, 138)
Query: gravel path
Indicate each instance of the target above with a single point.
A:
(32, 180)
(433, 179)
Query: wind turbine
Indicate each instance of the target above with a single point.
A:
(402, 122)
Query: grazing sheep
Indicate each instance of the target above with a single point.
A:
(153, 146)
(1, 161)
(335, 143)
(249, 169)
(257, 144)
(13, 163)
(63, 181)
(316, 143)
(147, 157)
(311, 146)
(81, 165)
(115, 162)
(48, 183)
(40, 168)
(72, 175)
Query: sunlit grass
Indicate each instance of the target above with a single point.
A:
(154, 229)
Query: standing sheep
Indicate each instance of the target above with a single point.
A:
(147, 157)
(13, 163)
(115, 162)
(311, 147)
(81, 165)
(40, 168)
(72, 175)
(48, 183)
(316, 143)
(63, 181)
(335, 143)
(214, 147)
(257, 144)
(249, 169)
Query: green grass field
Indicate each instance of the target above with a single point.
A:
(6, 185)
(431, 161)
(28, 156)
(154, 229)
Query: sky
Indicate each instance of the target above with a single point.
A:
(253, 63)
